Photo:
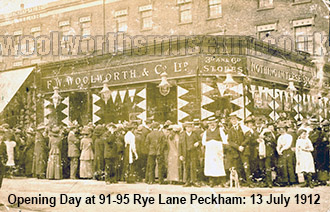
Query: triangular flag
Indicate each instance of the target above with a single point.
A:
(239, 113)
(206, 88)
(238, 89)
(46, 121)
(296, 108)
(271, 105)
(114, 95)
(142, 105)
(95, 98)
(271, 92)
(206, 113)
(66, 111)
(298, 116)
(47, 111)
(66, 121)
(222, 88)
(206, 100)
(182, 115)
(142, 93)
(182, 103)
(276, 93)
(66, 101)
(253, 88)
(142, 116)
(239, 101)
(181, 91)
(266, 92)
(95, 118)
(247, 113)
(122, 95)
(261, 90)
(131, 94)
(95, 108)
(281, 95)
(46, 103)
(247, 101)
(273, 115)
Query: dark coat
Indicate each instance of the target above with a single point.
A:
(187, 143)
(156, 142)
(235, 139)
(73, 145)
(110, 146)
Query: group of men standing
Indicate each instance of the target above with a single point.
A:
(195, 153)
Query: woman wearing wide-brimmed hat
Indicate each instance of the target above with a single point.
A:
(98, 151)
(54, 166)
(87, 153)
(40, 153)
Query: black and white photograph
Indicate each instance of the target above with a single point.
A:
(164, 105)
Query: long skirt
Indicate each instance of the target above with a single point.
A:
(54, 168)
(86, 169)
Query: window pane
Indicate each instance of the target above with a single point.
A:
(215, 11)
(186, 16)
(147, 22)
(212, 2)
(265, 3)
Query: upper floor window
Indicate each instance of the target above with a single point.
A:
(265, 3)
(65, 29)
(146, 16)
(121, 20)
(185, 11)
(85, 26)
(265, 30)
(304, 35)
(214, 8)
(35, 31)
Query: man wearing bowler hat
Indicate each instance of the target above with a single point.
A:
(155, 142)
(188, 150)
(237, 146)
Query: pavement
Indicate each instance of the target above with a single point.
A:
(30, 194)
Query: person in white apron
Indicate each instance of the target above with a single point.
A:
(213, 140)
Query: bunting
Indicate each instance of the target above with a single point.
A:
(122, 94)
(65, 111)
(131, 94)
(206, 88)
(142, 104)
(96, 108)
(114, 95)
(222, 88)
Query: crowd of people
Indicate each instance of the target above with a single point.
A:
(262, 153)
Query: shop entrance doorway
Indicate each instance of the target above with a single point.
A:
(161, 107)
(79, 107)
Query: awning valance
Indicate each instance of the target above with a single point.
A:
(10, 82)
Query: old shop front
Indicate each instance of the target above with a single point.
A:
(199, 86)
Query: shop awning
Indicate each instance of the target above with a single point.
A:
(10, 82)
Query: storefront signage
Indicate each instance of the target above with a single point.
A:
(277, 72)
(120, 75)
(222, 64)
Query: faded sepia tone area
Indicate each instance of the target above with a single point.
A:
(215, 104)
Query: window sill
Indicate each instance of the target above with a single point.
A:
(265, 8)
(301, 2)
(146, 29)
(185, 23)
(213, 18)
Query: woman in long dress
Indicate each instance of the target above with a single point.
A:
(87, 154)
(304, 157)
(40, 154)
(10, 145)
(173, 162)
(54, 167)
